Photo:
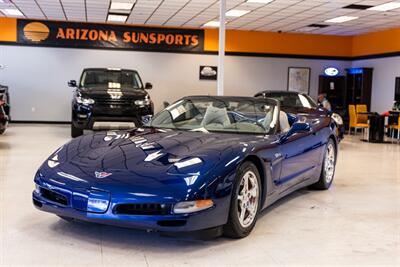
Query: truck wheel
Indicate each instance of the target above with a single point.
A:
(75, 132)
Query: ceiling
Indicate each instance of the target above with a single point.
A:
(278, 15)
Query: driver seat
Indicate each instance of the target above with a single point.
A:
(216, 115)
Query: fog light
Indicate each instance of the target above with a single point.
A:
(146, 119)
(192, 206)
(98, 201)
(97, 205)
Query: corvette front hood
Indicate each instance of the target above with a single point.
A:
(143, 157)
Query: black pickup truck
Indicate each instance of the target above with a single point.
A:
(107, 95)
(4, 108)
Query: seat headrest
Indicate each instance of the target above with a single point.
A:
(284, 122)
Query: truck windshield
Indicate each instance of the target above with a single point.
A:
(111, 79)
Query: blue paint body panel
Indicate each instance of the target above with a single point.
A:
(137, 167)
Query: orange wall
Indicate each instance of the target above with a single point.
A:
(376, 43)
(280, 43)
(387, 41)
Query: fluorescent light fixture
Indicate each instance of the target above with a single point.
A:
(212, 23)
(386, 7)
(260, 1)
(236, 13)
(117, 18)
(121, 5)
(12, 12)
(341, 19)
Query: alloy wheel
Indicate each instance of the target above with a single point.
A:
(248, 199)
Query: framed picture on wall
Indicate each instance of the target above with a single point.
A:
(208, 73)
(299, 79)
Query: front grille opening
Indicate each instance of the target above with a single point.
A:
(53, 196)
(143, 209)
(37, 203)
(171, 223)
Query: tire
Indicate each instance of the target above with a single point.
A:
(75, 132)
(238, 227)
(2, 131)
(328, 167)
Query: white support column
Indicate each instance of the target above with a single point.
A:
(221, 50)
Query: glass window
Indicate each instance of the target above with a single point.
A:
(111, 78)
(219, 114)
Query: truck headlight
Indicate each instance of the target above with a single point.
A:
(336, 117)
(143, 102)
(84, 101)
(192, 206)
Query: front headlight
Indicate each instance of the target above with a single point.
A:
(192, 206)
(144, 102)
(84, 101)
(336, 117)
(37, 189)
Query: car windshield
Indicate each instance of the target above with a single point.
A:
(220, 114)
(292, 100)
(111, 79)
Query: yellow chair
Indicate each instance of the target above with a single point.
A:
(361, 118)
(353, 121)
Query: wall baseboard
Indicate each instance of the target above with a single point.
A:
(39, 122)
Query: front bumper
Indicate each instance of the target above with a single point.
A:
(84, 117)
(3, 121)
(210, 218)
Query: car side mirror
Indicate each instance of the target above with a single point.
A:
(297, 127)
(72, 83)
(148, 86)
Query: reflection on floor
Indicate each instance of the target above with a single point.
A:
(356, 222)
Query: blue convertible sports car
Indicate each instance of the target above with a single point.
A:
(202, 163)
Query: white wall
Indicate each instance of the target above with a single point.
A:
(383, 81)
(38, 77)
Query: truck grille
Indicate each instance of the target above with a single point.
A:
(143, 209)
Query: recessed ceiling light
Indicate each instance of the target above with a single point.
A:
(212, 23)
(260, 1)
(12, 12)
(341, 19)
(121, 5)
(236, 13)
(117, 18)
(386, 7)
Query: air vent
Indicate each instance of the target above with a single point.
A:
(312, 27)
(318, 25)
(359, 7)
